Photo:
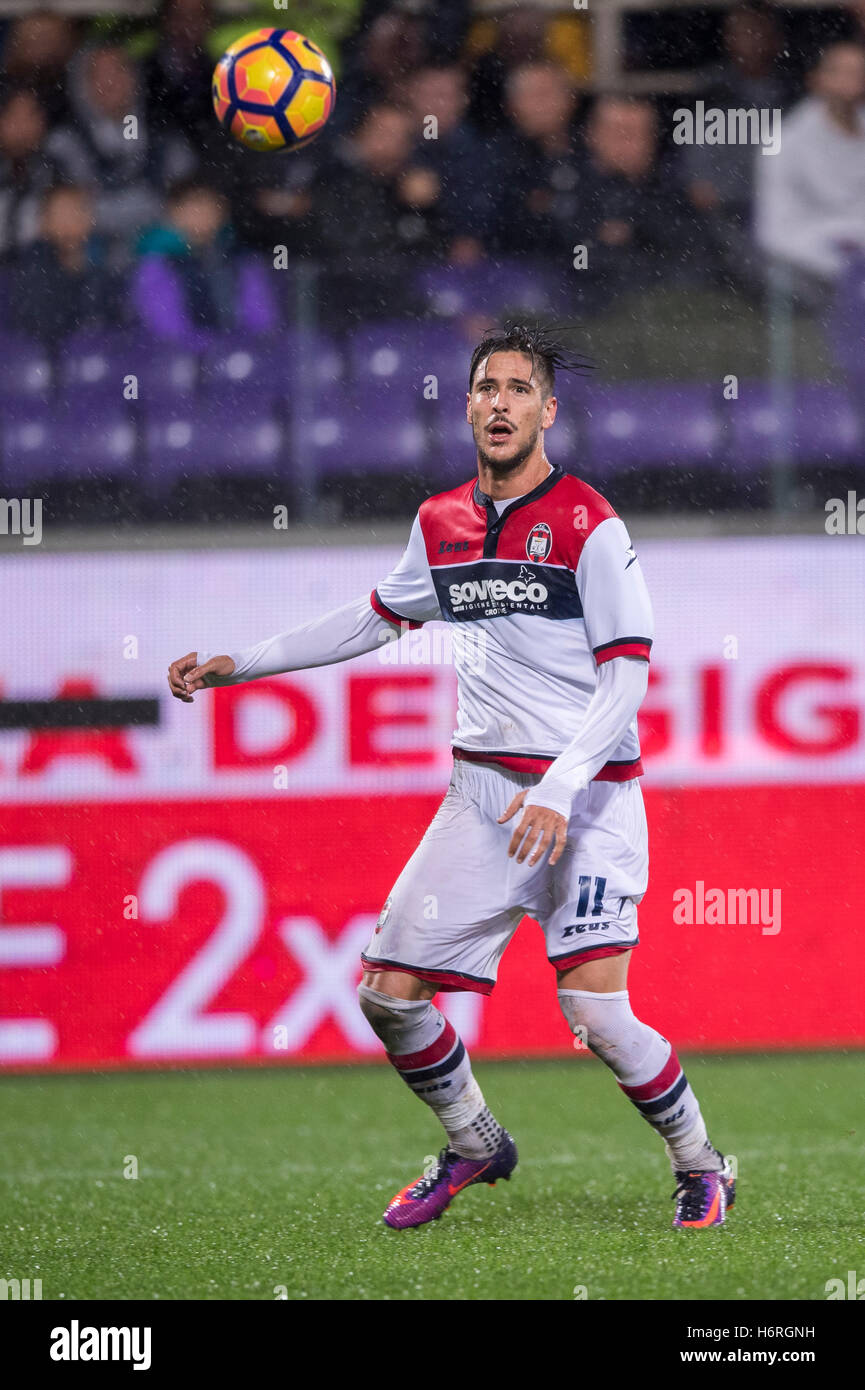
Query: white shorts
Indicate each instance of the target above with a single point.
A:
(459, 899)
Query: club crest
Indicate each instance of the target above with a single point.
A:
(539, 543)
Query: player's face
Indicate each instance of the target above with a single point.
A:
(507, 411)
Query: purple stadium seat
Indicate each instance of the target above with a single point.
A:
(847, 325)
(311, 360)
(67, 440)
(824, 426)
(210, 439)
(492, 288)
(452, 457)
(362, 433)
(829, 429)
(94, 363)
(403, 355)
(272, 368)
(648, 424)
(25, 371)
(158, 300)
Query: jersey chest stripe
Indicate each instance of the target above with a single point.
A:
(480, 560)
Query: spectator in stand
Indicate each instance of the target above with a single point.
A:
(720, 178)
(811, 195)
(61, 283)
(392, 48)
(444, 24)
(466, 164)
(376, 216)
(112, 148)
(26, 169)
(189, 286)
(541, 176)
(36, 54)
(633, 217)
(177, 80)
(271, 198)
(520, 40)
(751, 71)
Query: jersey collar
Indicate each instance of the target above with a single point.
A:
(494, 518)
(495, 522)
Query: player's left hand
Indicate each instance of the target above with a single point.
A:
(539, 827)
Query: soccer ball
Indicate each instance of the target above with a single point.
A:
(273, 90)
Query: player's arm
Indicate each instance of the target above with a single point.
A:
(357, 627)
(337, 636)
(620, 691)
(618, 617)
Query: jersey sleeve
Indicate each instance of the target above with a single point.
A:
(408, 594)
(616, 607)
(618, 695)
(336, 636)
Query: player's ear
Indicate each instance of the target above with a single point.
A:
(551, 405)
(469, 406)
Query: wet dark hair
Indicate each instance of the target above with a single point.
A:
(191, 186)
(61, 186)
(10, 91)
(543, 345)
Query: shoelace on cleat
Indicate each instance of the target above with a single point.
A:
(425, 1185)
(690, 1189)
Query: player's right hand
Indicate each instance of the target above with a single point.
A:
(185, 675)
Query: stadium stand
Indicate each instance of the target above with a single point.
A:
(176, 310)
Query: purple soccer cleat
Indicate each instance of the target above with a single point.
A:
(703, 1199)
(427, 1198)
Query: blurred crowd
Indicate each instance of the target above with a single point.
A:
(121, 200)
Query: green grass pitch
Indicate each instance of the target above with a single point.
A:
(256, 1184)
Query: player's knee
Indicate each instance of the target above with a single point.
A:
(597, 1020)
(374, 1006)
(387, 1016)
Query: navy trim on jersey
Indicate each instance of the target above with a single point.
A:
(509, 753)
(598, 944)
(385, 611)
(545, 591)
(423, 971)
(495, 522)
(621, 641)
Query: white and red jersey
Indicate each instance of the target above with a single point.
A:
(548, 590)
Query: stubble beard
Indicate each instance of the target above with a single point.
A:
(504, 468)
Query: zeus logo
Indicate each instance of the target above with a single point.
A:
(524, 589)
(577, 928)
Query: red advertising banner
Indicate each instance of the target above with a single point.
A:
(194, 883)
(158, 932)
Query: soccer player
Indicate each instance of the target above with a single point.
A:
(544, 814)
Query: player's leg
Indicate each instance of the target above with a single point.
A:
(442, 926)
(427, 1052)
(595, 1001)
(590, 934)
